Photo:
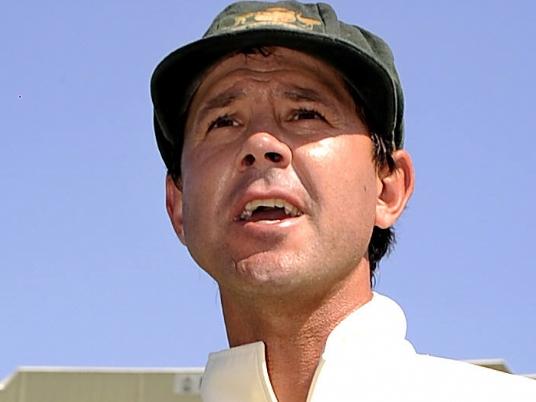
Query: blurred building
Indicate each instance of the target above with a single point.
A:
(76, 384)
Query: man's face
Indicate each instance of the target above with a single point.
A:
(279, 188)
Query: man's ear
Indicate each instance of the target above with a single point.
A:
(394, 190)
(174, 206)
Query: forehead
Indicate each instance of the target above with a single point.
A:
(267, 64)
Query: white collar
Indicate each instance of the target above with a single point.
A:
(240, 373)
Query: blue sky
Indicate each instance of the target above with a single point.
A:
(91, 271)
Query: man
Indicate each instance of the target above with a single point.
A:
(282, 132)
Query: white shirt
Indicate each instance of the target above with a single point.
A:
(366, 359)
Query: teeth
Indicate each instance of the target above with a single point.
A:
(251, 206)
(245, 215)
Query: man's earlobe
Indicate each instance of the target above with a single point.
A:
(174, 206)
(394, 190)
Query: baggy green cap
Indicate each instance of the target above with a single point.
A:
(364, 60)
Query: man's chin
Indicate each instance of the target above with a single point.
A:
(268, 272)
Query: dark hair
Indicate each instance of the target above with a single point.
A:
(382, 241)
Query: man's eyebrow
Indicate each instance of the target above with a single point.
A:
(302, 94)
(222, 100)
(297, 93)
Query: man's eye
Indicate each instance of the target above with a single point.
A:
(307, 114)
(222, 121)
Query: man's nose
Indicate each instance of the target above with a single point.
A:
(263, 150)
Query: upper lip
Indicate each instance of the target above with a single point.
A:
(278, 194)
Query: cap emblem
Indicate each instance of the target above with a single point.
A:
(276, 16)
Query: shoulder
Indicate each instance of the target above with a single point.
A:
(462, 381)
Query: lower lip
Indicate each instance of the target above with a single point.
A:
(269, 225)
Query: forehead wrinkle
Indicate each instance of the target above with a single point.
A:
(322, 83)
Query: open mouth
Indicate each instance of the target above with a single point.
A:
(274, 209)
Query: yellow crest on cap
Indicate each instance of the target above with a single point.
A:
(276, 16)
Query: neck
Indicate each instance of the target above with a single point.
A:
(294, 329)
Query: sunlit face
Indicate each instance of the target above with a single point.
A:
(279, 187)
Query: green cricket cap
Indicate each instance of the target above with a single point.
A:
(363, 59)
